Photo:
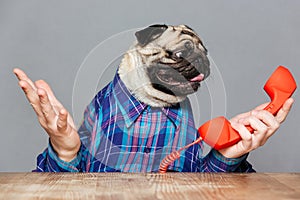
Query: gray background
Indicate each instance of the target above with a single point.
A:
(51, 39)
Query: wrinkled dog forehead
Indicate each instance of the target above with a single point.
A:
(167, 36)
(174, 34)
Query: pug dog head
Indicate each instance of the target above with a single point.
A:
(165, 64)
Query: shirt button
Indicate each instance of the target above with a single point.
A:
(147, 150)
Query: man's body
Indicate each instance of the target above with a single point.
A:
(58, 124)
(120, 133)
(130, 126)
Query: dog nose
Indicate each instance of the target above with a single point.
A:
(202, 65)
(207, 73)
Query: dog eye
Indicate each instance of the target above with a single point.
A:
(189, 45)
(182, 54)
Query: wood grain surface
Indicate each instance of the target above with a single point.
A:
(149, 186)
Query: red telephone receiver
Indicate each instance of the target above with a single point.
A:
(219, 134)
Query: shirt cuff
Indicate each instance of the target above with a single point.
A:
(71, 166)
(226, 164)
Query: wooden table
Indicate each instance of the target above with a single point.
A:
(149, 186)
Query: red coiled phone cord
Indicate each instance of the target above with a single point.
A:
(169, 159)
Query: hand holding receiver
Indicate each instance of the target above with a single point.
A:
(52, 116)
(218, 132)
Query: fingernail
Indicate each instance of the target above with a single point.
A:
(40, 93)
(62, 112)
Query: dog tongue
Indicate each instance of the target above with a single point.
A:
(197, 78)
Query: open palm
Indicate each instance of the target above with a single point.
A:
(53, 117)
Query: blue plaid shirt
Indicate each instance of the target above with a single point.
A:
(121, 134)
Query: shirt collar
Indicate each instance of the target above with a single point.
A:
(131, 108)
(174, 113)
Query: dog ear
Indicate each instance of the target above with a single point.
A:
(150, 33)
(188, 27)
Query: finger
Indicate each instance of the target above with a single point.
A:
(240, 116)
(255, 123)
(22, 76)
(261, 132)
(46, 107)
(32, 97)
(283, 112)
(268, 119)
(62, 121)
(246, 114)
(42, 84)
(262, 118)
(246, 136)
(55, 103)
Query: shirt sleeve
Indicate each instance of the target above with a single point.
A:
(48, 161)
(216, 162)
